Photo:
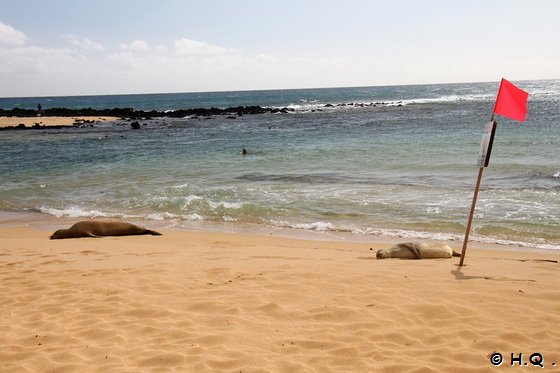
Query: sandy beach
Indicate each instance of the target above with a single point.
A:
(236, 302)
(50, 121)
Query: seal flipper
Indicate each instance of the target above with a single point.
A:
(413, 249)
(456, 254)
(91, 235)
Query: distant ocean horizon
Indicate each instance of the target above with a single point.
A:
(282, 97)
(388, 161)
(29, 101)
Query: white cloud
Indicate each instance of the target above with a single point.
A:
(161, 49)
(135, 46)
(189, 65)
(265, 57)
(10, 37)
(189, 47)
(132, 67)
(84, 44)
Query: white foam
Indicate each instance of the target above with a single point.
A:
(192, 217)
(307, 106)
(180, 186)
(448, 98)
(542, 246)
(433, 210)
(161, 216)
(399, 233)
(320, 226)
(191, 197)
(544, 93)
(72, 212)
(226, 205)
(303, 107)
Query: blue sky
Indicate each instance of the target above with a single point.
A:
(64, 47)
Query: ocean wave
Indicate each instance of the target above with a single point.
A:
(320, 226)
(225, 205)
(433, 210)
(316, 226)
(192, 197)
(161, 216)
(544, 93)
(312, 106)
(317, 178)
(167, 216)
(192, 217)
(502, 242)
(79, 212)
(180, 186)
(74, 212)
(407, 234)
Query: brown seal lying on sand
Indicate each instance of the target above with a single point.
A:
(101, 228)
(417, 250)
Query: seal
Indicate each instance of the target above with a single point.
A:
(417, 250)
(91, 228)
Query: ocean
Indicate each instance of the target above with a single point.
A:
(393, 161)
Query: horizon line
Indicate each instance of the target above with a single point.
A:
(271, 89)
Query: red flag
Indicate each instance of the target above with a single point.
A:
(511, 101)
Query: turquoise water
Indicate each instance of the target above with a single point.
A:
(404, 166)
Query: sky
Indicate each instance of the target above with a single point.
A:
(87, 47)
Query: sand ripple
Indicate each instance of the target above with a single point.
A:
(193, 302)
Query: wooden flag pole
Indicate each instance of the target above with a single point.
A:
(475, 196)
(511, 102)
(471, 214)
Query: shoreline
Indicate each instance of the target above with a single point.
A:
(198, 301)
(7, 122)
(41, 221)
(59, 117)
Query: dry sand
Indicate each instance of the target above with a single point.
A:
(199, 302)
(49, 121)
